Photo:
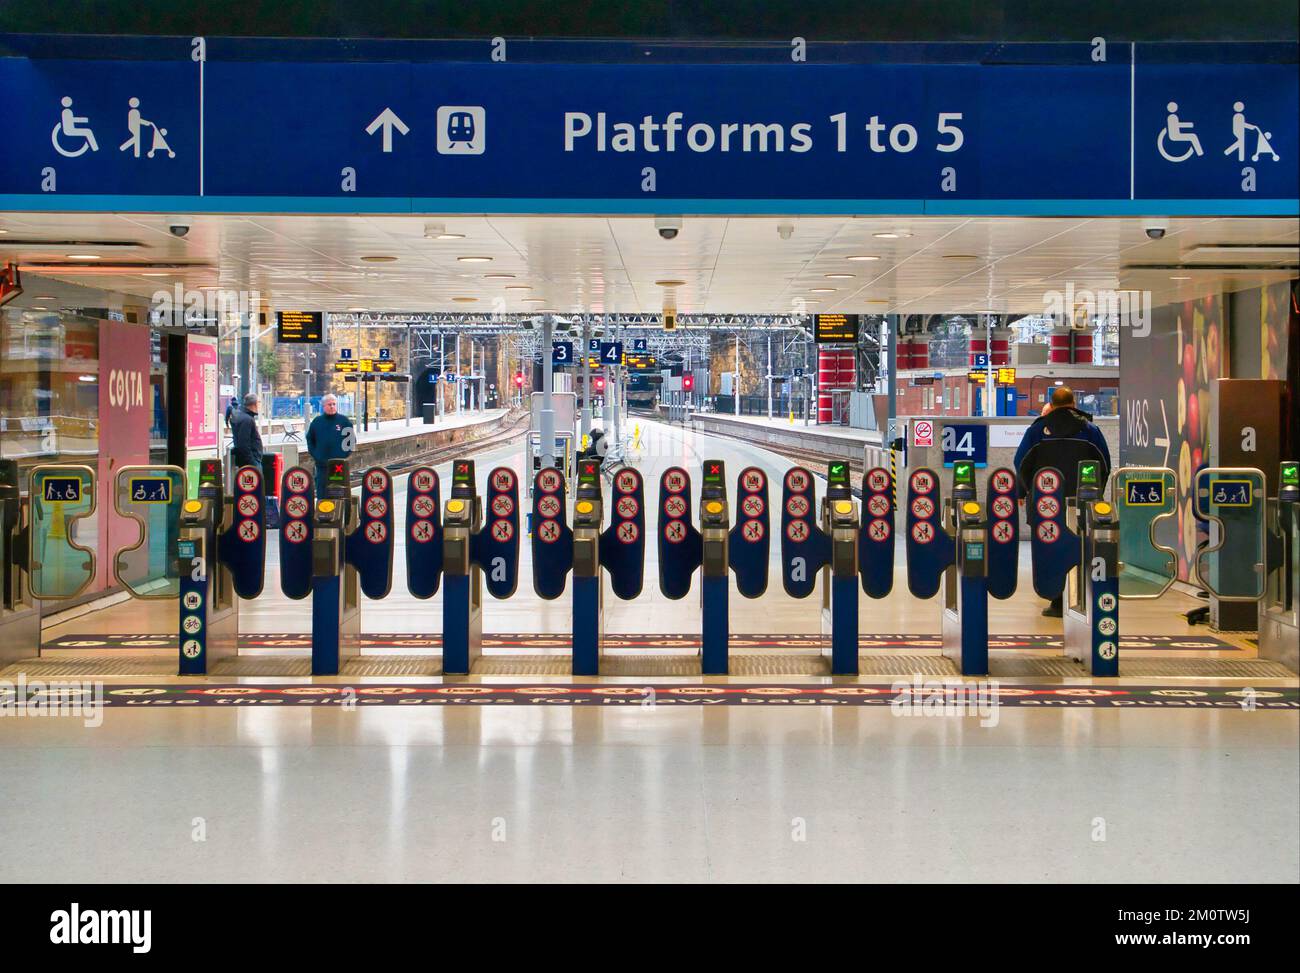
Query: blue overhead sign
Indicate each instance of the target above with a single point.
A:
(346, 135)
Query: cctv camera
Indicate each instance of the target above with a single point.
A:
(785, 231)
(1155, 229)
(179, 228)
(668, 226)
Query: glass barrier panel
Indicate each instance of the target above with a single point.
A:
(1232, 501)
(1147, 501)
(60, 497)
(152, 496)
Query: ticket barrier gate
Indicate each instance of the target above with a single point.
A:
(969, 548)
(467, 556)
(1232, 565)
(1090, 598)
(842, 548)
(586, 549)
(715, 548)
(1279, 612)
(221, 559)
(43, 559)
(335, 548)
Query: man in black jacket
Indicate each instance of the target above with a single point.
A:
(247, 440)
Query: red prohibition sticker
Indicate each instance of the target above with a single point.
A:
(627, 532)
(548, 506)
(797, 530)
(753, 480)
(549, 531)
(627, 481)
(249, 505)
(249, 530)
(295, 531)
(549, 481)
(376, 532)
(922, 507)
(1004, 481)
(878, 480)
(247, 480)
(922, 481)
(753, 531)
(752, 506)
(1047, 481)
(923, 533)
(502, 530)
(878, 530)
(1003, 507)
(627, 507)
(376, 507)
(1049, 532)
(503, 479)
(422, 531)
(503, 506)
(423, 479)
(797, 506)
(422, 506)
(377, 480)
(797, 480)
(1048, 507)
(1003, 532)
(674, 531)
(295, 507)
(297, 481)
(675, 506)
(878, 505)
(675, 481)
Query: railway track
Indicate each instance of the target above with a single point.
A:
(517, 428)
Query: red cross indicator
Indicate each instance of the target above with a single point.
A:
(295, 507)
(1048, 532)
(878, 505)
(376, 507)
(796, 481)
(627, 507)
(548, 481)
(878, 480)
(422, 531)
(627, 532)
(675, 481)
(548, 506)
(923, 507)
(376, 532)
(753, 480)
(1003, 481)
(752, 506)
(675, 531)
(549, 531)
(248, 480)
(627, 481)
(1047, 481)
(377, 481)
(1048, 506)
(422, 480)
(298, 482)
(1003, 507)
(797, 530)
(753, 531)
(248, 505)
(422, 506)
(462, 469)
(248, 530)
(797, 506)
(1003, 532)
(503, 480)
(675, 507)
(923, 533)
(502, 505)
(878, 530)
(295, 531)
(502, 530)
(922, 482)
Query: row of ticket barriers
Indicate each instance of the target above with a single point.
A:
(1094, 549)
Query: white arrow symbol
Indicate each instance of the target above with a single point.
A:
(388, 121)
(1163, 440)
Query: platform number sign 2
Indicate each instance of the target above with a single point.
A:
(965, 443)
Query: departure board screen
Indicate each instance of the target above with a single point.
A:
(835, 329)
(300, 327)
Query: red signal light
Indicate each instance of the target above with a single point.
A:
(519, 380)
(600, 385)
(688, 383)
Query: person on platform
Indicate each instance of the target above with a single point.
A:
(1061, 437)
(231, 408)
(247, 441)
(330, 436)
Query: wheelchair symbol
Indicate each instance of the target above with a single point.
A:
(70, 126)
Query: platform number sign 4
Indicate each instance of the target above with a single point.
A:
(964, 442)
(611, 352)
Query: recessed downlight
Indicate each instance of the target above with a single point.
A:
(474, 260)
(821, 290)
(839, 276)
(357, 310)
(863, 256)
(378, 258)
(84, 256)
(534, 300)
(498, 276)
(891, 235)
(960, 256)
(464, 300)
(670, 283)
(1180, 278)
(519, 287)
